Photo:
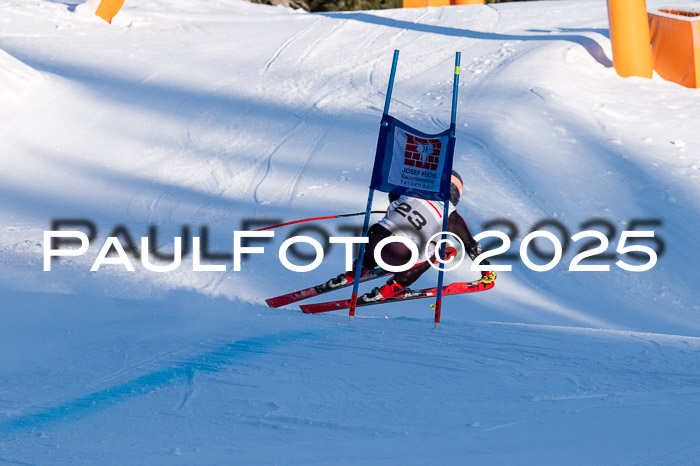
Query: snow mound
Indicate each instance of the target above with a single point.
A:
(17, 82)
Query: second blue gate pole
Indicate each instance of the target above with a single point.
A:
(446, 210)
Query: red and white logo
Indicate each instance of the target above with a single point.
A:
(422, 153)
(417, 162)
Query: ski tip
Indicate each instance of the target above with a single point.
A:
(313, 308)
(273, 303)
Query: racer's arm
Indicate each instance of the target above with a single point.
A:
(457, 225)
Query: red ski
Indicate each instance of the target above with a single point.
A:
(453, 288)
(312, 291)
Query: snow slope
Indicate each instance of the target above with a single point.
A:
(214, 113)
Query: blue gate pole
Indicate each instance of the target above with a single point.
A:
(370, 197)
(446, 211)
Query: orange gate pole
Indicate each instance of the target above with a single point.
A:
(630, 38)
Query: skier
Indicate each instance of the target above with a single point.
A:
(418, 220)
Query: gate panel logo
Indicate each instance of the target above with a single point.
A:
(417, 161)
(422, 153)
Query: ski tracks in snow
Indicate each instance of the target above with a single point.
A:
(283, 164)
(310, 48)
(287, 160)
(285, 45)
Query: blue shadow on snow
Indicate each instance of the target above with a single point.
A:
(207, 363)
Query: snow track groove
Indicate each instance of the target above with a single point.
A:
(180, 373)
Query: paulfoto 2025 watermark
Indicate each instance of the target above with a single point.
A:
(120, 249)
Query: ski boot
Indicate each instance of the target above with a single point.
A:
(487, 277)
(391, 289)
(346, 278)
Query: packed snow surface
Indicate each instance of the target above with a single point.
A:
(201, 118)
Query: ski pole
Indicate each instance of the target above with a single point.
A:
(319, 218)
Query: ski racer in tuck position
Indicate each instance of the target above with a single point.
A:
(418, 220)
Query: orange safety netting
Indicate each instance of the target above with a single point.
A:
(675, 45)
(691, 14)
(108, 9)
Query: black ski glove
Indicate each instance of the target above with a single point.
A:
(475, 251)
